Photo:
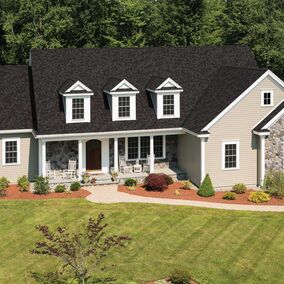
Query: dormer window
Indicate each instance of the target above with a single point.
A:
(266, 98)
(121, 97)
(77, 101)
(165, 94)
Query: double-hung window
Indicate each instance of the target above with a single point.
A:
(266, 98)
(168, 104)
(139, 147)
(230, 153)
(11, 151)
(78, 109)
(123, 107)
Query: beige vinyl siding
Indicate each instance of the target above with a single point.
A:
(28, 158)
(237, 125)
(189, 156)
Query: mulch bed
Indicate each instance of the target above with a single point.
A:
(192, 195)
(13, 193)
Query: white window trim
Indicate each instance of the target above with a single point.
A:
(139, 148)
(272, 98)
(4, 140)
(224, 143)
(160, 105)
(115, 107)
(69, 109)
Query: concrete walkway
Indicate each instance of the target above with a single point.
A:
(109, 194)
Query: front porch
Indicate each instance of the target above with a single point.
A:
(101, 157)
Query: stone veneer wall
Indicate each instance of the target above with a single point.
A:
(59, 153)
(171, 152)
(274, 147)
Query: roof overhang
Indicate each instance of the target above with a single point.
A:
(266, 132)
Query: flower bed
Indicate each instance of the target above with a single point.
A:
(171, 193)
(14, 193)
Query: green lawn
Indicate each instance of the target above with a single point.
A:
(215, 246)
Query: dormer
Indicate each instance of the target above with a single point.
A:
(121, 97)
(76, 101)
(165, 95)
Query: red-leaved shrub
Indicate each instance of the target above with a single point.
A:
(156, 182)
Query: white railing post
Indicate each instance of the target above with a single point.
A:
(80, 158)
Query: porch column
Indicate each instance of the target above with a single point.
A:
(80, 158)
(115, 154)
(202, 158)
(42, 157)
(262, 159)
(152, 158)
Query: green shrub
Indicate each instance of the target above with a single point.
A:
(130, 182)
(229, 196)
(23, 183)
(239, 188)
(75, 186)
(60, 188)
(41, 185)
(206, 189)
(3, 192)
(4, 183)
(180, 277)
(258, 197)
(169, 179)
(186, 184)
(274, 183)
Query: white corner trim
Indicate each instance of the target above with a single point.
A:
(124, 82)
(262, 159)
(274, 119)
(164, 91)
(4, 140)
(171, 82)
(271, 98)
(78, 83)
(202, 158)
(224, 143)
(77, 95)
(239, 98)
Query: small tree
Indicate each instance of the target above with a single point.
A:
(81, 250)
(206, 189)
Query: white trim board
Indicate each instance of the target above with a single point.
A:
(76, 85)
(274, 119)
(169, 82)
(124, 82)
(239, 98)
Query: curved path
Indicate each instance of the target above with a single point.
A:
(109, 194)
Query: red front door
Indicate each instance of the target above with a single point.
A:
(93, 155)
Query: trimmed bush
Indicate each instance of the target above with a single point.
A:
(156, 182)
(4, 183)
(60, 188)
(168, 179)
(229, 196)
(41, 185)
(239, 188)
(130, 182)
(23, 183)
(206, 189)
(75, 186)
(186, 184)
(274, 183)
(180, 277)
(258, 197)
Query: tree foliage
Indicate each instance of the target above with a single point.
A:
(26, 24)
(80, 252)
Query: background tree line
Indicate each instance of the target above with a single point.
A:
(26, 24)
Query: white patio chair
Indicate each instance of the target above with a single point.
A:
(123, 167)
(48, 171)
(147, 165)
(71, 171)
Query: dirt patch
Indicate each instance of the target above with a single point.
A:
(13, 193)
(191, 194)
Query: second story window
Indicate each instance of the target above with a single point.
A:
(124, 106)
(78, 109)
(267, 98)
(168, 105)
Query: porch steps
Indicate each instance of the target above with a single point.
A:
(103, 179)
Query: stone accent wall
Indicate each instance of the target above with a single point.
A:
(59, 153)
(171, 152)
(274, 147)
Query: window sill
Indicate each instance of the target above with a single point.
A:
(12, 164)
(230, 169)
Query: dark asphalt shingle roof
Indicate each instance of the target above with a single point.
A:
(227, 85)
(193, 68)
(269, 117)
(15, 101)
(156, 81)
